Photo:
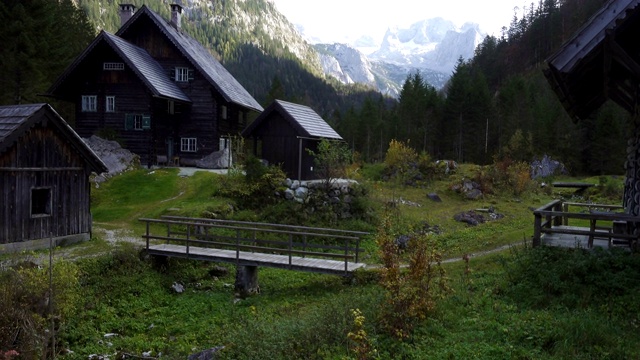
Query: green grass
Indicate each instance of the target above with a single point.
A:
(516, 304)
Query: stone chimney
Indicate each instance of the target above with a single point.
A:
(176, 15)
(126, 12)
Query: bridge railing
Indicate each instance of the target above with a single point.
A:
(554, 217)
(240, 236)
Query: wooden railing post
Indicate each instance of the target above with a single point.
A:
(147, 235)
(290, 248)
(346, 257)
(537, 229)
(565, 218)
(237, 247)
(188, 236)
(358, 250)
(304, 244)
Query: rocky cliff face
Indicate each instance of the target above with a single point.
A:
(432, 47)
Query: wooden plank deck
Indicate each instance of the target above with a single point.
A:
(573, 240)
(324, 266)
(577, 240)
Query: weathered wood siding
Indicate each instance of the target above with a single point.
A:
(41, 159)
(281, 146)
(197, 120)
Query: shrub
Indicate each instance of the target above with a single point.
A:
(28, 309)
(411, 295)
(255, 193)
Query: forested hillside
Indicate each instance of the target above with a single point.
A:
(497, 103)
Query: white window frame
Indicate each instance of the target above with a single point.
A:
(89, 103)
(182, 74)
(137, 122)
(188, 144)
(113, 66)
(110, 104)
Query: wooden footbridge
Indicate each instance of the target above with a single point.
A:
(250, 244)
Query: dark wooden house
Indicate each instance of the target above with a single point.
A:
(602, 62)
(44, 178)
(284, 132)
(156, 89)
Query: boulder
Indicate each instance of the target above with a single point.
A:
(546, 167)
(216, 160)
(434, 197)
(112, 155)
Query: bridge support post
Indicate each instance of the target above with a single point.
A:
(247, 281)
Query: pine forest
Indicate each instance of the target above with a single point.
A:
(497, 104)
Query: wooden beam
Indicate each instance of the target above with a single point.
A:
(29, 169)
(622, 57)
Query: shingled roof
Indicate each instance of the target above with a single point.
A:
(16, 120)
(599, 61)
(303, 119)
(143, 65)
(200, 58)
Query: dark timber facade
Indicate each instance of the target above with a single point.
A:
(44, 178)
(602, 62)
(156, 89)
(284, 133)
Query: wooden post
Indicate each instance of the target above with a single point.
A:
(247, 281)
(147, 235)
(565, 209)
(188, 235)
(592, 232)
(537, 231)
(290, 248)
(237, 247)
(346, 257)
(358, 250)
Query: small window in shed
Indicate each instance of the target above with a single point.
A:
(40, 202)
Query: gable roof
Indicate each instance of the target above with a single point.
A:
(303, 119)
(230, 89)
(593, 65)
(148, 70)
(16, 120)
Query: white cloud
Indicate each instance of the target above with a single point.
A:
(341, 20)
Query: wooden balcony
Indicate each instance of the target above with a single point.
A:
(590, 225)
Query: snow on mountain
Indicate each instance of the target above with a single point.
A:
(431, 46)
(345, 63)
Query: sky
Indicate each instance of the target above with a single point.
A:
(347, 20)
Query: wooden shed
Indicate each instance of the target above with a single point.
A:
(602, 62)
(284, 132)
(44, 179)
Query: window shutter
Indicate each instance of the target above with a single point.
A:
(128, 121)
(191, 75)
(172, 73)
(146, 122)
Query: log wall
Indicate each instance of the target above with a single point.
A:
(41, 159)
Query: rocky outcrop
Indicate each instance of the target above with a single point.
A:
(116, 158)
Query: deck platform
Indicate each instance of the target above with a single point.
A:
(600, 239)
(245, 258)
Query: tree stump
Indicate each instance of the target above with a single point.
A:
(247, 281)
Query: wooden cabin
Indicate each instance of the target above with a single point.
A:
(601, 62)
(44, 179)
(161, 93)
(284, 132)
